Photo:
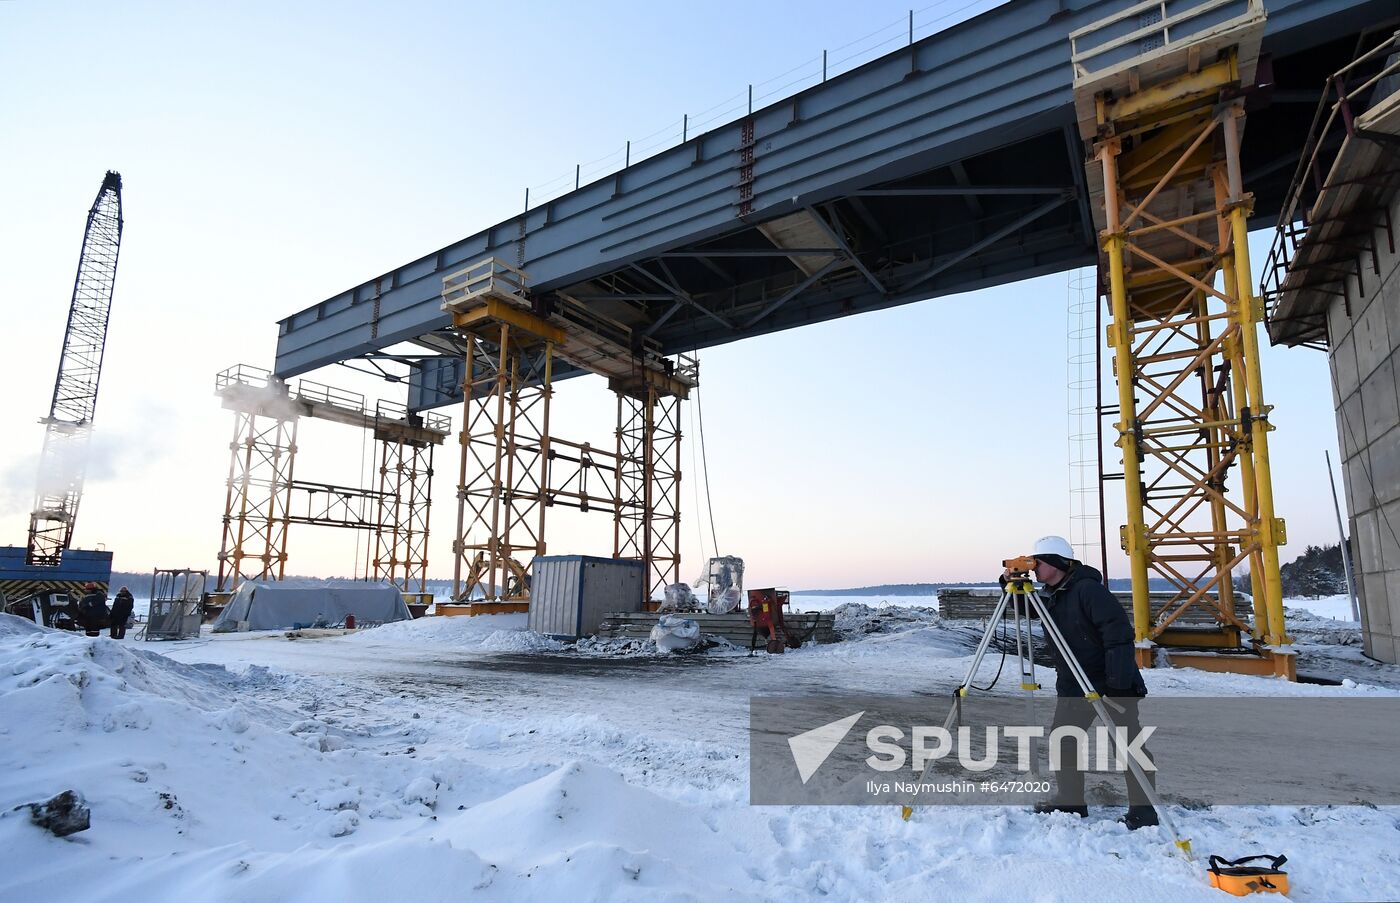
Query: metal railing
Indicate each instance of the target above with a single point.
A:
(1345, 95)
(260, 380)
(487, 278)
(399, 413)
(1174, 25)
(320, 393)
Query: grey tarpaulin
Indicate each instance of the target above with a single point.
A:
(279, 605)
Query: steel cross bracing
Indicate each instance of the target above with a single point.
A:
(257, 504)
(263, 499)
(646, 522)
(1166, 126)
(405, 503)
(68, 428)
(948, 165)
(501, 489)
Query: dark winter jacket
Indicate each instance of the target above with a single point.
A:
(92, 609)
(1098, 633)
(121, 607)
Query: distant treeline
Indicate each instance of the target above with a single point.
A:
(1316, 572)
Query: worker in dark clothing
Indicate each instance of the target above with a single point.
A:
(1100, 637)
(92, 610)
(121, 613)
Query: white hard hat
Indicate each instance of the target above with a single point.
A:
(1054, 545)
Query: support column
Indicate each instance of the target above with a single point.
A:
(665, 515)
(646, 519)
(1184, 335)
(1269, 528)
(632, 479)
(401, 533)
(256, 506)
(504, 473)
(1120, 336)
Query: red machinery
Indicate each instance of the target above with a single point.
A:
(766, 616)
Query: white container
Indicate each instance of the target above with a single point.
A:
(570, 594)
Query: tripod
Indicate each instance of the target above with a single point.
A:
(1021, 597)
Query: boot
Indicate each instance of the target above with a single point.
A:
(1139, 817)
(1050, 806)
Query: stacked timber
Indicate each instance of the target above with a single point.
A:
(733, 627)
(978, 604)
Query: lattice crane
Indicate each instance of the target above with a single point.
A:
(63, 464)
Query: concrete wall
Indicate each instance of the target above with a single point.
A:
(1366, 393)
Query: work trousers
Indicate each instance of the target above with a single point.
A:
(1069, 781)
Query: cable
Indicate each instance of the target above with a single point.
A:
(704, 460)
(699, 531)
(1002, 664)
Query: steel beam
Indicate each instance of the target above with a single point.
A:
(987, 242)
(996, 81)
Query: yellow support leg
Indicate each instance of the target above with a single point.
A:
(1271, 528)
(1120, 338)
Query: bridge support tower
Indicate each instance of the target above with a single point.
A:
(512, 469)
(1162, 104)
(264, 500)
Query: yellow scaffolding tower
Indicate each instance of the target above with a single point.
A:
(505, 453)
(1159, 93)
(513, 470)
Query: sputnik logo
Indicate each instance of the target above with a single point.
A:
(811, 748)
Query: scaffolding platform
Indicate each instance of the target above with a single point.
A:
(1338, 201)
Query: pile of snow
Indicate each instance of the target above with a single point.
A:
(202, 788)
(482, 633)
(857, 619)
(1333, 608)
(154, 745)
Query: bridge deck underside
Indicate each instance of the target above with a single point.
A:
(947, 166)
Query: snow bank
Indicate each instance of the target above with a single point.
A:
(1336, 608)
(486, 633)
(173, 757)
(202, 786)
(582, 832)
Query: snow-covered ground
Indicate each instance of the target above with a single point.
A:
(466, 757)
(1336, 608)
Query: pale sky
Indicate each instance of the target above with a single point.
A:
(275, 154)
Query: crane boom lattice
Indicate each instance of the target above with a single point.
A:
(63, 463)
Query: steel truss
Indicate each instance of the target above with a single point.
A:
(257, 506)
(263, 499)
(1184, 334)
(68, 428)
(647, 517)
(405, 503)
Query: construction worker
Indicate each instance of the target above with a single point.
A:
(121, 613)
(1100, 637)
(92, 609)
